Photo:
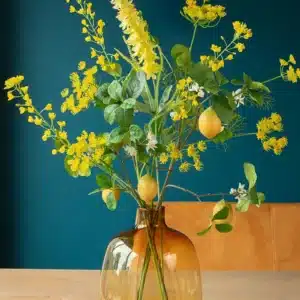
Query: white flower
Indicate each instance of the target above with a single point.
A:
(238, 97)
(194, 87)
(152, 141)
(131, 151)
(240, 192)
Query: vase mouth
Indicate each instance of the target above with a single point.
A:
(156, 215)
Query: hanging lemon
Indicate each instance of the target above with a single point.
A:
(106, 192)
(147, 188)
(209, 123)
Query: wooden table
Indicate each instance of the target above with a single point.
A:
(84, 285)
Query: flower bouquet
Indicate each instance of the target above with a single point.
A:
(181, 98)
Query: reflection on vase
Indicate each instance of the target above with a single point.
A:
(130, 270)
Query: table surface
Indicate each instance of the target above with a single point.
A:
(84, 285)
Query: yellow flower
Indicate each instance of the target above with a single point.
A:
(88, 39)
(292, 59)
(81, 65)
(163, 158)
(203, 58)
(48, 107)
(52, 116)
(67, 1)
(84, 30)
(191, 151)
(64, 93)
(198, 165)
(72, 9)
(184, 167)
(260, 135)
(30, 119)
(101, 60)
(63, 135)
(282, 142)
(229, 57)
(201, 146)
(298, 72)
(62, 149)
(93, 53)
(291, 75)
(54, 152)
(22, 110)
(266, 146)
(139, 39)
(181, 84)
(84, 22)
(276, 118)
(24, 89)
(240, 47)
(283, 62)
(10, 96)
(215, 48)
(38, 121)
(30, 110)
(13, 81)
(116, 56)
(61, 123)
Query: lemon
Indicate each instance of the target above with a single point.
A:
(209, 123)
(106, 192)
(147, 188)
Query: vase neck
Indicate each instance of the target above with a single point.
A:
(153, 217)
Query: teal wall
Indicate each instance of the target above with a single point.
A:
(56, 225)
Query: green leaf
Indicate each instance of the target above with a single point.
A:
(117, 136)
(247, 80)
(201, 73)
(143, 107)
(102, 94)
(129, 103)
(111, 202)
(224, 228)
(223, 136)
(115, 90)
(250, 173)
(252, 195)
(136, 133)
(181, 55)
(134, 84)
(166, 94)
(237, 82)
(117, 71)
(255, 85)
(212, 86)
(220, 78)
(124, 117)
(206, 230)
(222, 214)
(103, 181)
(110, 113)
(243, 205)
(96, 191)
(257, 97)
(220, 104)
(261, 199)
(168, 134)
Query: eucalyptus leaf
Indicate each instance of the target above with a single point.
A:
(224, 227)
(111, 202)
(134, 84)
(143, 107)
(102, 94)
(115, 90)
(124, 117)
(136, 133)
(250, 173)
(117, 136)
(129, 103)
(166, 94)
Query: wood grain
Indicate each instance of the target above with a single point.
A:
(265, 238)
(84, 285)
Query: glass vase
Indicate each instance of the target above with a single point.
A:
(151, 262)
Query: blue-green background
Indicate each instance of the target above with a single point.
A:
(47, 220)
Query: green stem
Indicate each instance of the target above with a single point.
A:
(193, 37)
(244, 134)
(144, 273)
(272, 79)
(156, 94)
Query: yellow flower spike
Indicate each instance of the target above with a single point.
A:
(184, 167)
(163, 158)
(291, 75)
(266, 146)
(22, 110)
(72, 9)
(48, 107)
(240, 47)
(13, 81)
(81, 65)
(215, 48)
(202, 146)
(54, 152)
(283, 62)
(52, 116)
(64, 93)
(282, 142)
(276, 118)
(10, 96)
(30, 119)
(292, 59)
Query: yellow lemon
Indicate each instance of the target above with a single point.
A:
(209, 123)
(106, 192)
(147, 188)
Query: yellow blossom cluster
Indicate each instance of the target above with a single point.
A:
(188, 92)
(84, 90)
(288, 71)
(230, 49)
(51, 130)
(265, 127)
(139, 39)
(87, 152)
(204, 15)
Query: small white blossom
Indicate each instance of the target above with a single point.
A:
(238, 97)
(131, 151)
(152, 141)
(194, 87)
(240, 192)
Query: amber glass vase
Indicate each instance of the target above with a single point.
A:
(151, 262)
